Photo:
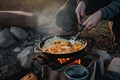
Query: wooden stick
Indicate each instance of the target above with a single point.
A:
(90, 64)
(94, 71)
(101, 66)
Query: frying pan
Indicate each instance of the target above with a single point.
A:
(66, 55)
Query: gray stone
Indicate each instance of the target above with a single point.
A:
(19, 33)
(26, 57)
(1, 60)
(6, 38)
(104, 54)
(25, 43)
(114, 65)
(17, 49)
(1, 27)
(4, 69)
(31, 43)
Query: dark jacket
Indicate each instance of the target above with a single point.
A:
(110, 7)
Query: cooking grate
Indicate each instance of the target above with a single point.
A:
(54, 64)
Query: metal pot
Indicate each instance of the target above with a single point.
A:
(76, 72)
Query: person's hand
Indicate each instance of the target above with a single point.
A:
(80, 10)
(93, 20)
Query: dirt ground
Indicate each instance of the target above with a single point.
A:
(101, 33)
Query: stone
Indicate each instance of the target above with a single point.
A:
(115, 65)
(104, 54)
(1, 27)
(26, 57)
(17, 49)
(18, 18)
(6, 38)
(25, 43)
(4, 69)
(19, 33)
(1, 60)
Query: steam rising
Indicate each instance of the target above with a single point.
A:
(46, 20)
(44, 9)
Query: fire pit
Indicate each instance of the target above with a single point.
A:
(59, 64)
(53, 68)
(60, 60)
(46, 68)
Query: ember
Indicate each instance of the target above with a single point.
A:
(63, 60)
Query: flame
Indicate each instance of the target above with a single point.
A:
(62, 60)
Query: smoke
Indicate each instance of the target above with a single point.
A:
(46, 20)
(47, 15)
(44, 10)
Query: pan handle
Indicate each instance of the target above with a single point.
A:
(37, 49)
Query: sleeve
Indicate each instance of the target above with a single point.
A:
(111, 10)
(85, 1)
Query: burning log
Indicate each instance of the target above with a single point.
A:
(63, 60)
(29, 76)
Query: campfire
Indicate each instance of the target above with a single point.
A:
(63, 60)
(59, 47)
(91, 61)
(21, 32)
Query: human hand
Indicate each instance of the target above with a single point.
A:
(93, 20)
(80, 10)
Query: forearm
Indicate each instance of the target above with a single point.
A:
(111, 10)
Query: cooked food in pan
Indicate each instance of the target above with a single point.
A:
(57, 45)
